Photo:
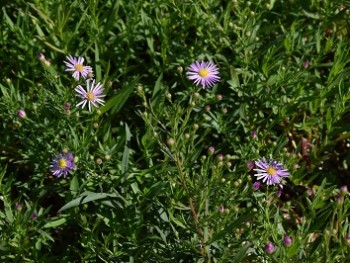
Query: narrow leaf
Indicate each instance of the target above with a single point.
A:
(118, 101)
(55, 223)
(85, 198)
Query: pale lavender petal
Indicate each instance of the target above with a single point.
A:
(270, 172)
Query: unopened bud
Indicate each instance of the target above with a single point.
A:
(170, 141)
(287, 241)
(211, 150)
(22, 114)
(269, 248)
(343, 190)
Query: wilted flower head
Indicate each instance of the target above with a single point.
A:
(92, 95)
(21, 113)
(203, 73)
(310, 192)
(306, 64)
(34, 215)
(76, 65)
(271, 172)
(269, 248)
(66, 105)
(250, 165)
(62, 164)
(338, 198)
(305, 146)
(279, 192)
(254, 134)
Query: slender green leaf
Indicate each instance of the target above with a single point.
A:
(118, 100)
(55, 223)
(126, 153)
(85, 198)
(240, 255)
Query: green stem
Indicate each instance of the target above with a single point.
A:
(192, 207)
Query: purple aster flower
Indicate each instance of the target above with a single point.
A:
(269, 248)
(203, 73)
(270, 172)
(287, 241)
(76, 65)
(63, 164)
(92, 95)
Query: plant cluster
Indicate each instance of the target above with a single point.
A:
(174, 131)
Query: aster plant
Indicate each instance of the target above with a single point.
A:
(203, 73)
(270, 172)
(62, 164)
(92, 95)
(76, 65)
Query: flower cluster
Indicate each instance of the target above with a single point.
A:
(270, 247)
(63, 164)
(94, 92)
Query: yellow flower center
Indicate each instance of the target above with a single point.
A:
(79, 67)
(90, 96)
(271, 171)
(62, 163)
(203, 72)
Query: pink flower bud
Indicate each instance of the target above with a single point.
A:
(269, 248)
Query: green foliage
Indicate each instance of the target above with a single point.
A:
(163, 168)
